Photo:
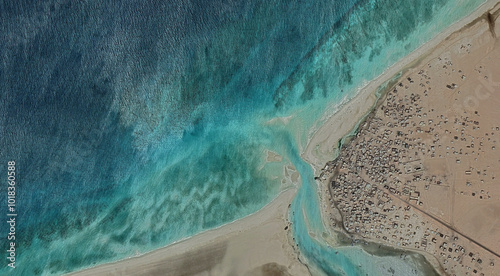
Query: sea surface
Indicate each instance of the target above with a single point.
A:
(135, 124)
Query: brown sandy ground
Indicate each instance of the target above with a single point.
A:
(422, 172)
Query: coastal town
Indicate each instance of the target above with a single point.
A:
(421, 171)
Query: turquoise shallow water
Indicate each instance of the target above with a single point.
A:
(136, 125)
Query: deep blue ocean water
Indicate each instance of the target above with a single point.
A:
(135, 124)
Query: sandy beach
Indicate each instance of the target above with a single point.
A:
(260, 244)
(255, 245)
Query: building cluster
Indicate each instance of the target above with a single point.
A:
(382, 179)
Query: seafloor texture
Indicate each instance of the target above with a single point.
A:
(136, 124)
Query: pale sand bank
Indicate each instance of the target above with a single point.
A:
(273, 156)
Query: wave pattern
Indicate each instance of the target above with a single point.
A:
(133, 123)
(136, 124)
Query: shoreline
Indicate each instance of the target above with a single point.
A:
(322, 144)
(222, 243)
(385, 81)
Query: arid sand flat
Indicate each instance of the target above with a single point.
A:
(421, 173)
